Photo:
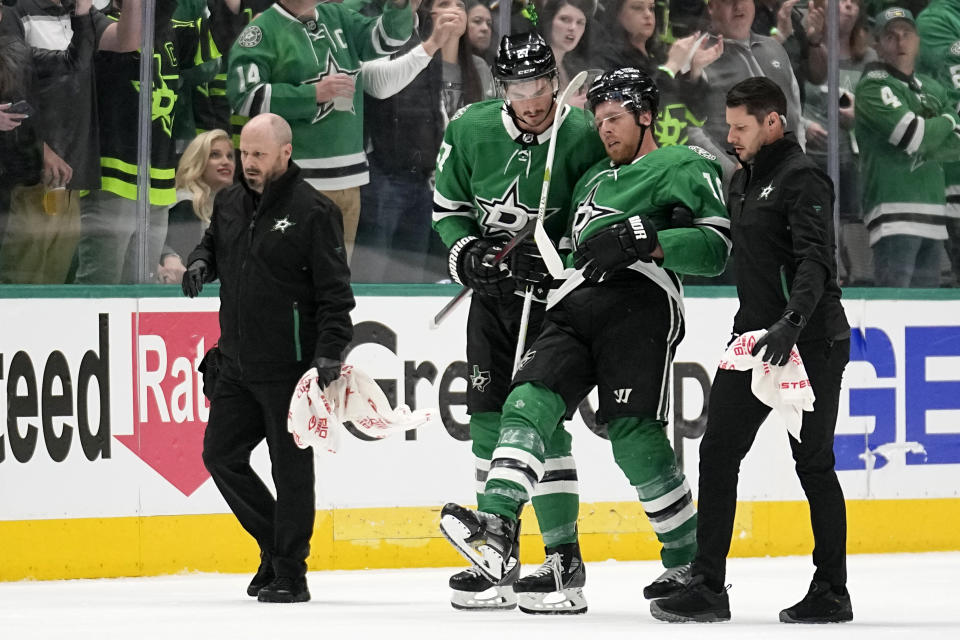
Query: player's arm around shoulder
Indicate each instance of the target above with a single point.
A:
(698, 244)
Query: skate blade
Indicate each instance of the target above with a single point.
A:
(565, 602)
(477, 552)
(493, 599)
(666, 616)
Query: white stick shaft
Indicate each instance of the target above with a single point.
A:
(549, 252)
(522, 334)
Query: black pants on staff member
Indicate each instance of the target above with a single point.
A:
(734, 417)
(242, 414)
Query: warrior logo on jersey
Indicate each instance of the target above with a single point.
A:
(589, 210)
(507, 213)
(479, 379)
(324, 109)
(525, 360)
(250, 37)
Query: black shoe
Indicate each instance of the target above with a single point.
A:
(696, 603)
(285, 589)
(670, 583)
(821, 604)
(485, 539)
(262, 578)
(563, 573)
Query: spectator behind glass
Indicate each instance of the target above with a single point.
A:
(38, 247)
(206, 167)
(109, 217)
(565, 25)
(745, 55)
(21, 153)
(410, 99)
(800, 26)
(856, 263)
(906, 127)
(480, 31)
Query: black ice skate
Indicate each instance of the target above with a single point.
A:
(820, 605)
(473, 592)
(485, 539)
(670, 583)
(696, 603)
(557, 586)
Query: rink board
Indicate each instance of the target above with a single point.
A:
(100, 469)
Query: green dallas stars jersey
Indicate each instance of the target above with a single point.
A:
(651, 186)
(906, 127)
(939, 29)
(277, 59)
(489, 173)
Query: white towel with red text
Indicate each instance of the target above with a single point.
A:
(316, 414)
(785, 389)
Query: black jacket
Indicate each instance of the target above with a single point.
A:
(284, 282)
(781, 219)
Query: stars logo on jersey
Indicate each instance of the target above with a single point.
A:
(479, 379)
(589, 211)
(507, 213)
(955, 48)
(766, 191)
(250, 37)
(323, 110)
(282, 224)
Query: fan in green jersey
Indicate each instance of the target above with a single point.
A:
(617, 331)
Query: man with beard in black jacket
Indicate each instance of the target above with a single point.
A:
(276, 244)
(781, 208)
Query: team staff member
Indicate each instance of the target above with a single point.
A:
(277, 246)
(489, 177)
(618, 332)
(781, 208)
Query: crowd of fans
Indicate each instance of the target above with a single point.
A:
(69, 101)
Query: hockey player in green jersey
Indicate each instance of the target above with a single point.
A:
(618, 330)
(489, 176)
(906, 128)
(939, 29)
(302, 62)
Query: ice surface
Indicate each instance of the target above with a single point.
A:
(894, 596)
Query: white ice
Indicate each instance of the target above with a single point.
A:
(894, 596)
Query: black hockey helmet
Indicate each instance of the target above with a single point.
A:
(523, 56)
(631, 87)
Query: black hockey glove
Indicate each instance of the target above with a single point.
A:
(328, 369)
(616, 247)
(780, 338)
(471, 264)
(681, 217)
(528, 267)
(194, 277)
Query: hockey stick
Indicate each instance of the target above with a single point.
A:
(547, 251)
(465, 292)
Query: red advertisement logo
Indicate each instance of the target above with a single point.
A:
(170, 411)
